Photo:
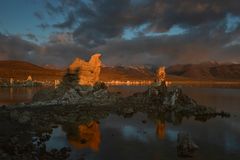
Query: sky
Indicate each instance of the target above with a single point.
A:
(125, 32)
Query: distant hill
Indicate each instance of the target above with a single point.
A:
(21, 70)
(125, 73)
(206, 71)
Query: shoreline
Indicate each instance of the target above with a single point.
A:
(188, 83)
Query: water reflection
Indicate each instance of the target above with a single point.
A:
(161, 130)
(84, 135)
(17, 95)
(116, 137)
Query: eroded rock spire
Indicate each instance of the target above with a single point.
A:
(89, 72)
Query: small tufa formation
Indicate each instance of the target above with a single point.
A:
(89, 72)
(185, 145)
(177, 98)
(29, 78)
(11, 81)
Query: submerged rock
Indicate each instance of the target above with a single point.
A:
(185, 145)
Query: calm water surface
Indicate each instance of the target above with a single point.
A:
(17, 95)
(121, 138)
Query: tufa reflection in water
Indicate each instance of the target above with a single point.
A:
(160, 130)
(84, 135)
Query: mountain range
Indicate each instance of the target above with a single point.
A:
(203, 71)
(206, 71)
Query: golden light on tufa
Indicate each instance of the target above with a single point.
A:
(161, 74)
(29, 78)
(89, 72)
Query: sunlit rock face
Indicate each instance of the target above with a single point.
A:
(89, 72)
(160, 74)
(29, 78)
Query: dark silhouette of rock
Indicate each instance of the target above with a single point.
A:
(99, 85)
(70, 79)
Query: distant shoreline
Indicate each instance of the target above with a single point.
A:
(212, 84)
(187, 83)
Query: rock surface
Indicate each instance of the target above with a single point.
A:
(160, 74)
(70, 92)
(89, 72)
(20, 117)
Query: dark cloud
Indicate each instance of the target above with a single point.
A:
(197, 45)
(31, 36)
(193, 47)
(98, 26)
(61, 38)
(15, 48)
(43, 26)
(39, 15)
(106, 19)
(51, 9)
(68, 23)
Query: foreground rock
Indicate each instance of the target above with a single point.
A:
(21, 117)
(185, 145)
(70, 92)
(158, 98)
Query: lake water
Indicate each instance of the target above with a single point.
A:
(121, 138)
(17, 95)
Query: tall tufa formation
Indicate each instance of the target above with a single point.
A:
(89, 72)
(160, 74)
(159, 87)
